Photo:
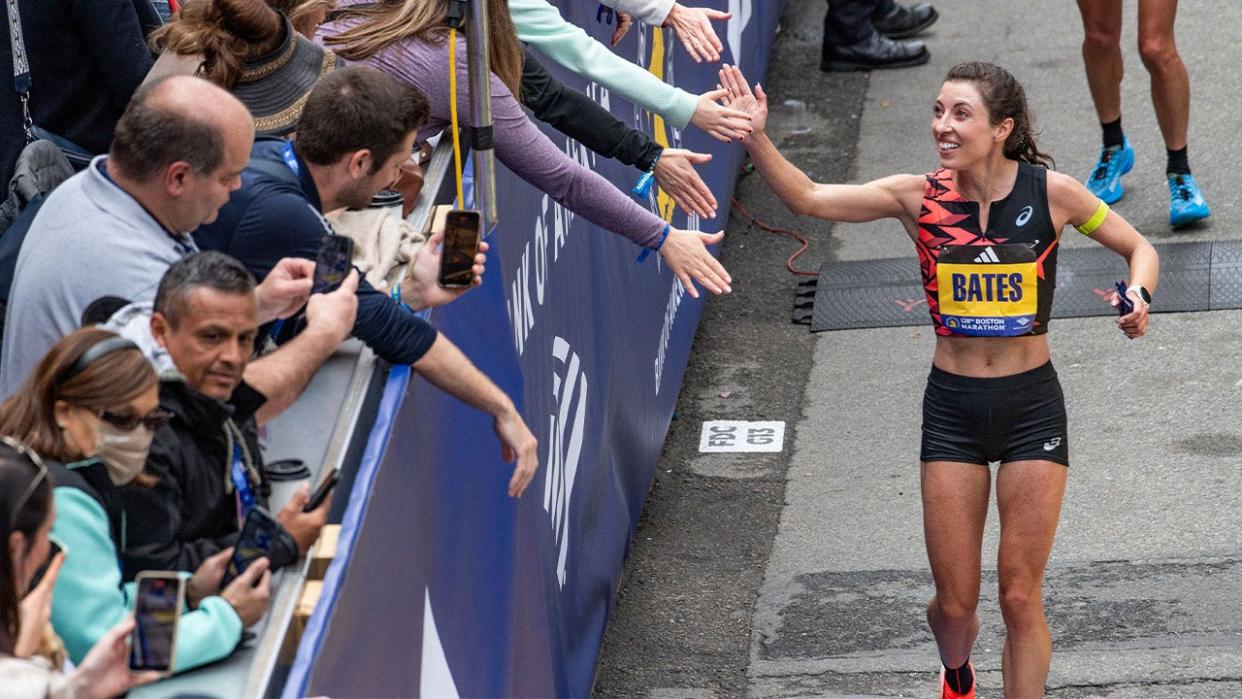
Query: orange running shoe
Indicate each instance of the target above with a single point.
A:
(946, 692)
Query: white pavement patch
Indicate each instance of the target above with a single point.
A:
(742, 436)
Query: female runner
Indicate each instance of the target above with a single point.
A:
(986, 227)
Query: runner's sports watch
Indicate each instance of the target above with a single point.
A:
(1143, 294)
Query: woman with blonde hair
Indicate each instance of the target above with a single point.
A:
(408, 39)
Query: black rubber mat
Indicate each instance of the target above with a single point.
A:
(1198, 276)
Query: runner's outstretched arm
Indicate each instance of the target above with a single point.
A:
(889, 197)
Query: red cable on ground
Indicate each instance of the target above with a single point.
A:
(786, 232)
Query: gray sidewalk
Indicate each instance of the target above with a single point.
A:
(1145, 586)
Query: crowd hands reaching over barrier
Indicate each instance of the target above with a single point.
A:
(161, 304)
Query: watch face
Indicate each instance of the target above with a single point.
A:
(1145, 294)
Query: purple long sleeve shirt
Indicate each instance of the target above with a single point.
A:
(520, 145)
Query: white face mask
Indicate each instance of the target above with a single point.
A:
(123, 452)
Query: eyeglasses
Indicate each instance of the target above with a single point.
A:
(34, 483)
(152, 421)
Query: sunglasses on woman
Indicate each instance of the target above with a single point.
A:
(152, 421)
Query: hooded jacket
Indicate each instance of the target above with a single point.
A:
(191, 513)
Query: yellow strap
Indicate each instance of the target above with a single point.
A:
(461, 198)
(1094, 222)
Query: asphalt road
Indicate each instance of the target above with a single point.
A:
(803, 573)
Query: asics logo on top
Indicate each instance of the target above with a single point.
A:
(1024, 216)
(1052, 444)
(988, 255)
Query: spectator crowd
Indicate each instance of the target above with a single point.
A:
(174, 169)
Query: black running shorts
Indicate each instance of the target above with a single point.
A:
(1008, 418)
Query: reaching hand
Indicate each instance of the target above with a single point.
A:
(35, 610)
(624, 22)
(685, 252)
(676, 175)
(517, 443)
(420, 288)
(333, 314)
(721, 122)
(739, 97)
(693, 26)
(206, 580)
(104, 672)
(285, 289)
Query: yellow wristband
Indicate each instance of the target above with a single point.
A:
(1094, 222)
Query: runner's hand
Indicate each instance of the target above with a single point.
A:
(739, 97)
(693, 26)
(718, 121)
(1134, 325)
(685, 252)
(676, 175)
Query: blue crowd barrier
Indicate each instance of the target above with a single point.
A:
(443, 586)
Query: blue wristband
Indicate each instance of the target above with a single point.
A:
(642, 256)
(643, 187)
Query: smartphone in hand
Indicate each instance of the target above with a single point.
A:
(332, 264)
(258, 533)
(1124, 305)
(321, 493)
(462, 233)
(157, 616)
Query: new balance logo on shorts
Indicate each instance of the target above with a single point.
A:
(988, 255)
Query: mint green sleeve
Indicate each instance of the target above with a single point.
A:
(207, 634)
(540, 24)
(89, 597)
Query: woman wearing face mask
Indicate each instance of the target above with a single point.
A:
(90, 410)
(26, 521)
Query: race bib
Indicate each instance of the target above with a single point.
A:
(987, 290)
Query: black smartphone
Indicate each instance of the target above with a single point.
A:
(55, 548)
(321, 493)
(332, 265)
(462, 232)
(1124, 306)
(157, 611)
(258, 533)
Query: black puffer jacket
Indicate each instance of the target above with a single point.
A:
(192, 512)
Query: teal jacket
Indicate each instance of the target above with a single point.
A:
(541, 25)
(89, 597)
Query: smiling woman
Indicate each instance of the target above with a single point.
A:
(986, 226)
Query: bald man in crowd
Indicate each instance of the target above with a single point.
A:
(115, 228)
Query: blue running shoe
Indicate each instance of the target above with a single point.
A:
(1105, 179)
(1186, 204)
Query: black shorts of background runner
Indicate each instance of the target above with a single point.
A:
(984, 420)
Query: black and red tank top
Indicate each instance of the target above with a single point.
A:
(997, 282)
